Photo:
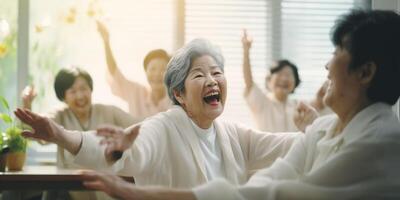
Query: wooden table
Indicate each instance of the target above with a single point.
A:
(41, 178)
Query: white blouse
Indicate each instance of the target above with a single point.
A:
(362, 162)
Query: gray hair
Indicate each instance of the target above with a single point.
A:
(179, 65)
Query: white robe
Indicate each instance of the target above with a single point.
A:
(362, 162)
(167, 151)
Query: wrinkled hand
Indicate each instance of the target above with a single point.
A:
(28, 95)
(304, 116)
(113, 185)
(246, 40)
(117, 140)
(43, 128)
(103, 30)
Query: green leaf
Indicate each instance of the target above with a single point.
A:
(4, 102)
(6, 118)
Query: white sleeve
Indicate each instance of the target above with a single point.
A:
(256, 99)
(91, 154)
(262, 148)
(147, 152)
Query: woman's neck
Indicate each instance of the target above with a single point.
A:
(280, 97)
(347, 113)
(83, 117)
(203, 124)
(157, 95)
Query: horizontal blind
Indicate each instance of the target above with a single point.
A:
(306, 26)
(222, 21)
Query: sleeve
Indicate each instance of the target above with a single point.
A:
(359, 171)
(122, 118)
(146, 153)
(263, 148)
(256, 98)
(122, 87)
(91, 154)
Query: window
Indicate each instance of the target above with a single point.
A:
(297, 30)
(306, 27)
(65, 33)
(8, 52)
(222, 21)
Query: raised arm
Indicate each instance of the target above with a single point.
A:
(111, 63)
(246, 42)
(28, 95)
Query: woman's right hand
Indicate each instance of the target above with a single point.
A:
(117, 140)
(43, 128)
(246, 40)
(28, 95)
(103, 30)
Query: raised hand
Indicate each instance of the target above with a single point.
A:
(47, 130)
(246, 40)
(117, 140)
(304, 116)
(43, 128)
(103, 30)
(28, 95)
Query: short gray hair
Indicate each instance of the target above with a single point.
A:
(179, 65)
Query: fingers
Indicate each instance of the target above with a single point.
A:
(33, 115)
(108, 131)
(24, 116)
(134, 132)
(30, 134)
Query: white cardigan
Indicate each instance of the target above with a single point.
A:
(363, 162)
(167, 151)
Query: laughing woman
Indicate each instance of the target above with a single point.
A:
(185, 146)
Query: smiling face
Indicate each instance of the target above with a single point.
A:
(79, 97)
(282, 83)
(155, 73)
(205, 91)
(343, 87)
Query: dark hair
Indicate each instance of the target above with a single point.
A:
(157, 53)
(282, 64)
(65, 78)
(373, 36)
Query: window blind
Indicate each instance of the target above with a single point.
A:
(222, 21)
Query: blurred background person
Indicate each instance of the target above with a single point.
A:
(74, 87)
(274, 111)
(142, 101)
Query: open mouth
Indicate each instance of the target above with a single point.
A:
(212, 98)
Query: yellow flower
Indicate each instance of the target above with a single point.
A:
(3, 50)
(70, 18)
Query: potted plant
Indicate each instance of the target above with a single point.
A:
(3, 151)
(15, 141)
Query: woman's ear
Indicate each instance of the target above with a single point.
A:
(367, 72)
(178, 97)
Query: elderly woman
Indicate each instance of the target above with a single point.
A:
(274, 111)
(351, 155)
(74, 87)
(142, 101)
(185, 146)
